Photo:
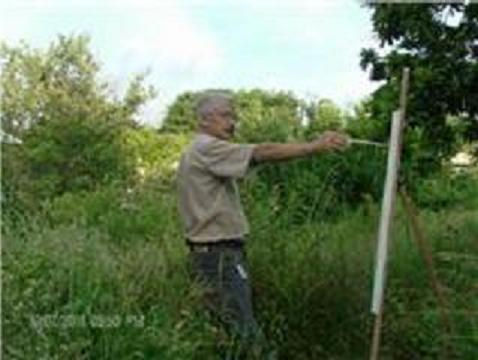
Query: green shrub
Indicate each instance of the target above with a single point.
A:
(311, 282)
(447, 189)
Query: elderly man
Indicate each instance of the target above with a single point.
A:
(209, 204)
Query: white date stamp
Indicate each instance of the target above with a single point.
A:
(104, 321)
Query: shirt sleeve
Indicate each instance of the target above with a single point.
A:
(225, 159)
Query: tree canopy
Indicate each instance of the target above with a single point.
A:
(438, 41)
(71, 123)
(255, 108)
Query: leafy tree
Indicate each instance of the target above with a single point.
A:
(156, 155)
(443, 58)
(71, 126)
(267, 115)
(323, 115)
(256, 109)
(181, 117)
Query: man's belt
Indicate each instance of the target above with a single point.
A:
(215, 245)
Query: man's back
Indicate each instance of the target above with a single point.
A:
(209, 200)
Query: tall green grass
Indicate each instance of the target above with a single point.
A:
(103, 275)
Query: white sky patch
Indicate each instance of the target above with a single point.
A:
(353, 85)
(168, 36)
(172, 41)
(310, 47)
(311, 7)
(177, 50)
(148, 32)
(11, 28)
(452, 19)
(127, 37)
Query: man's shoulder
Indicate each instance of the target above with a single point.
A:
(209, 148)
(205, 144)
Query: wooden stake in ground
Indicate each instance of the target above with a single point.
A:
(388, 204)
(426, 252)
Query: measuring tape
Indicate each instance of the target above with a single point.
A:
(366, 142)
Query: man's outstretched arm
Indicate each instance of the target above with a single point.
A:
(328, 141)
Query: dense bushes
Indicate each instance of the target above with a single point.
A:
(71, 126)
(117, 257)
(94, 263)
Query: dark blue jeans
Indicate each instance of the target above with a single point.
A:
(223, 272)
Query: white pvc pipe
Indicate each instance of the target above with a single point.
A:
(388, 201)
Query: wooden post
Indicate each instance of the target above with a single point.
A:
(426, 252)
(388, 204)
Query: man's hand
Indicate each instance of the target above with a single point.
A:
(331, 140)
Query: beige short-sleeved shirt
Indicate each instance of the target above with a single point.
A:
(209, 201)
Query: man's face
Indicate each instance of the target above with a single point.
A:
(223, 121)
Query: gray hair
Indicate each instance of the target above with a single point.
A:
(209, 101)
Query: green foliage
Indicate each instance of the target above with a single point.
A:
(80, 155)
(117, 260)
(181, 116)
(72, 129)
(323, 115)
(145, 212)
(256, 109)
(310, 190)
(266, 116)
(155, 154)
(115, 257)
(360, 123)
(307, 189)
(97, 267)
(39, 83)
(446, 189)
(72, 293)
(444, 72)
